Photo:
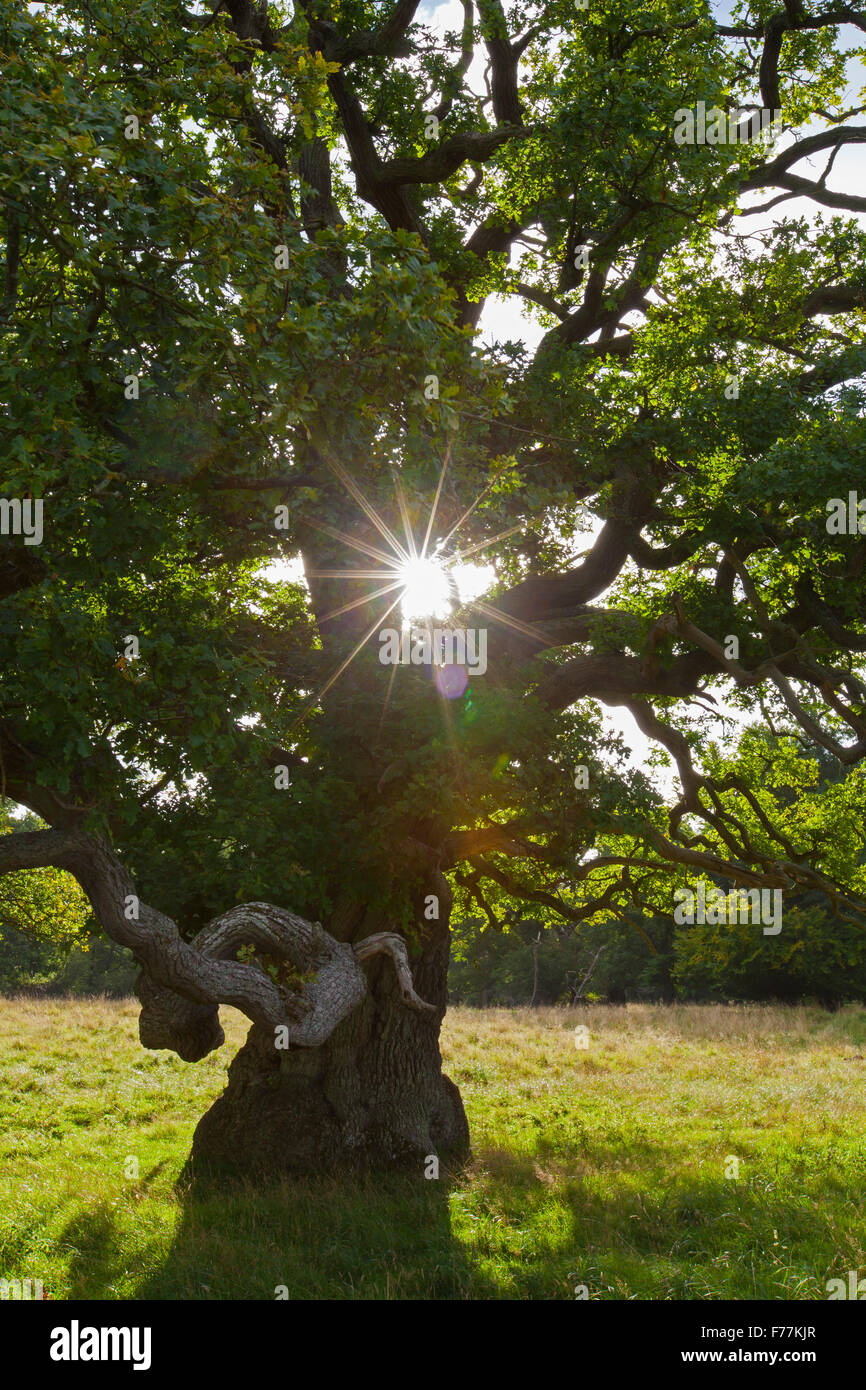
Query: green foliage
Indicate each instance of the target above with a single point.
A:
(816, 956)
(98, 967)
(44, 917)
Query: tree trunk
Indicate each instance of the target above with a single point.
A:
(535, 945)
(372, 1095)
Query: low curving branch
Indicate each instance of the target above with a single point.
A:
(315, 983)
(308, 1009)
(386, 943)
(332, 982)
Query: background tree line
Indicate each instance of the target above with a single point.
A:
(817, 956)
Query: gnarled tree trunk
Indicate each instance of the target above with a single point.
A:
(372, 1094)
(342, 1063)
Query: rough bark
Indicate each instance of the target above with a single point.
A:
(373, 1094)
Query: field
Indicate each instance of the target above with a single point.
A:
(610, 1166)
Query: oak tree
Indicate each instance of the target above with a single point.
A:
(247, 253)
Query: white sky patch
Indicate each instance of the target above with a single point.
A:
(285, 571)
(472, 580)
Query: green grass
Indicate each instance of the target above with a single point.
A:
(603, 1167)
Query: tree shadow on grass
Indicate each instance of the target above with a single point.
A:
(632, 1223)
(95, 1256)
(514, 1223)
(357, 1236)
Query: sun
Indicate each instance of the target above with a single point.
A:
(426, 584)
(427, 589)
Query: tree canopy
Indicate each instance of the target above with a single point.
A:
(248, 249)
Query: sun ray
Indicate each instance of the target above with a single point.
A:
(451, 737)
(351, 574)
(497, 614)
(387, 701)
(360, 546)
(398, 567)
(471, 509)
(365, 598)
(435, 506)
(367, 507)
(404, 513)
(482, 545)
(341, 668)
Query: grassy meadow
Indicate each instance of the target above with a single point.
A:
(608, 1166)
